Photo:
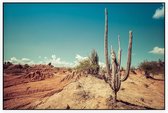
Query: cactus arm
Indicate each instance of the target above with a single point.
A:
(129, 57)
(119, 65)
(119, 53)
(106, 42)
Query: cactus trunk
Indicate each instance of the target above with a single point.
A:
(114, 100)
(115, 83)
(115, 97)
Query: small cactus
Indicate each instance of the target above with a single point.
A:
(114, 76)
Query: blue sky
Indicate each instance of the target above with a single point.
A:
(65, 33)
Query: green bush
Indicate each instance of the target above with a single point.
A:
(94, 62)
(90, 65)
(84, 65)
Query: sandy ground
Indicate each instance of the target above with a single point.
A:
(53, 93)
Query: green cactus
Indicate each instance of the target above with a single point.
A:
(114, 77)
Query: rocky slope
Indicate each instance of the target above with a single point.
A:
(79, 91)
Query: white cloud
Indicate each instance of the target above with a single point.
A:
(79, 57)
(14, 60)
(53, 56)
(159, 13)
(25, 60)
(102, 64)
(55, 61)
(157, 50)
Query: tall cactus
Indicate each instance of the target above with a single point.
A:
(114, 77)
(106, 42)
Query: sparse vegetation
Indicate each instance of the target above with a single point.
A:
(133, 68)
(89, 65)
(26, 66)
(94, 60)
(6, 65)
(84, 65)
(49, 64)
(154, 67)
(12, 68)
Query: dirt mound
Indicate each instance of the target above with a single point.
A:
(38, 75)
(17, 69)
(92, 93)
(18, 93)
(20, 74)
(75, 75)
(30, 73)
(86, 93)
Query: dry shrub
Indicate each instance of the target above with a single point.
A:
(154, 67)
(89, 65)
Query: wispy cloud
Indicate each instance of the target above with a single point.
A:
(53, 59)
(25, 60)
(56, 61)
(79, 57)
(53, 56)
(157, 50)
(159, 13)
(14, 60)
